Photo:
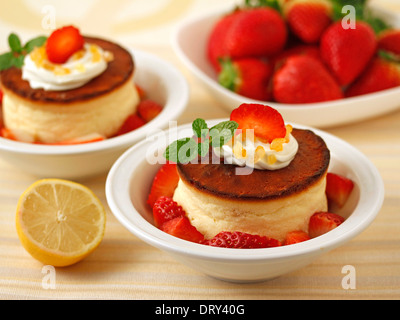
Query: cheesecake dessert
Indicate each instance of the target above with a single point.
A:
(70, 87)
(264, 183)
(265, 202)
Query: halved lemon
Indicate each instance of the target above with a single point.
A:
(60, 222)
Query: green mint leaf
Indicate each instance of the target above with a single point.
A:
(182, 151)
(18, 61)
(6, 60)
(222, 133)
(14, 43)
(36, 42)
(203, 147)
(200, 128)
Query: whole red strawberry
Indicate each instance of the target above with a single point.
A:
(63, 43)
(255, 32)
(380, 75)
(308, 19)
(216, 44)
(348, 51)
(303, 79)
(241, 240)
(266, 122)
(389, 41)
(248, 77)
(299, 49)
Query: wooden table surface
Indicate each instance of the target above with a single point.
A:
(124, 267)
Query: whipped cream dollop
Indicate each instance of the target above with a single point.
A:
(257, 154)
(79, 69)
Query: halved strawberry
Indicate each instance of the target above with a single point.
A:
(338, 189)
(266, 122)
(322, 222)
(149, 109)
(181, 227)
(164, 183)
(166, 209)
(131, 123)
(63, 43)
(296, 237)
(241, 240)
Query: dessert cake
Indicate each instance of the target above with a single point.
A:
(90, 93)
(265, 202)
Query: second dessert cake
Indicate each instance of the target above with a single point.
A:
(265, 202)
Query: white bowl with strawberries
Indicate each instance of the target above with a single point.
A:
(56, 132)
(301, 59)
(142, 193)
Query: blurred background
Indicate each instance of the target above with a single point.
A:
(141, 23)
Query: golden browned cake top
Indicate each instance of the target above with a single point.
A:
(118, 71)
(309, 165)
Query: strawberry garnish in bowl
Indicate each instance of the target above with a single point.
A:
(338, 189)
(63, 43)
(164, 183)
(323, 222)
(266, 122)
(241, 240)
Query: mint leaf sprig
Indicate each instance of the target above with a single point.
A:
(187, 149)
(15, 57)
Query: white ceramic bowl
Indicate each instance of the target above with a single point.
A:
(189, 43)
(129, 182)
(161, 81)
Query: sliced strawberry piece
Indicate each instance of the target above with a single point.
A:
(149, 109)
(141, 92)
(296, 237)
(181, 227)
(266, 122)
(7, 133)
(338, 189)
(131, 123)
(63, 43)
(166, 209)
(164, 183)
(241, 240)
(1, 97)
(322, 222)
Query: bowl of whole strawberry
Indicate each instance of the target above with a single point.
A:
(141, 184)
(305, 58)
